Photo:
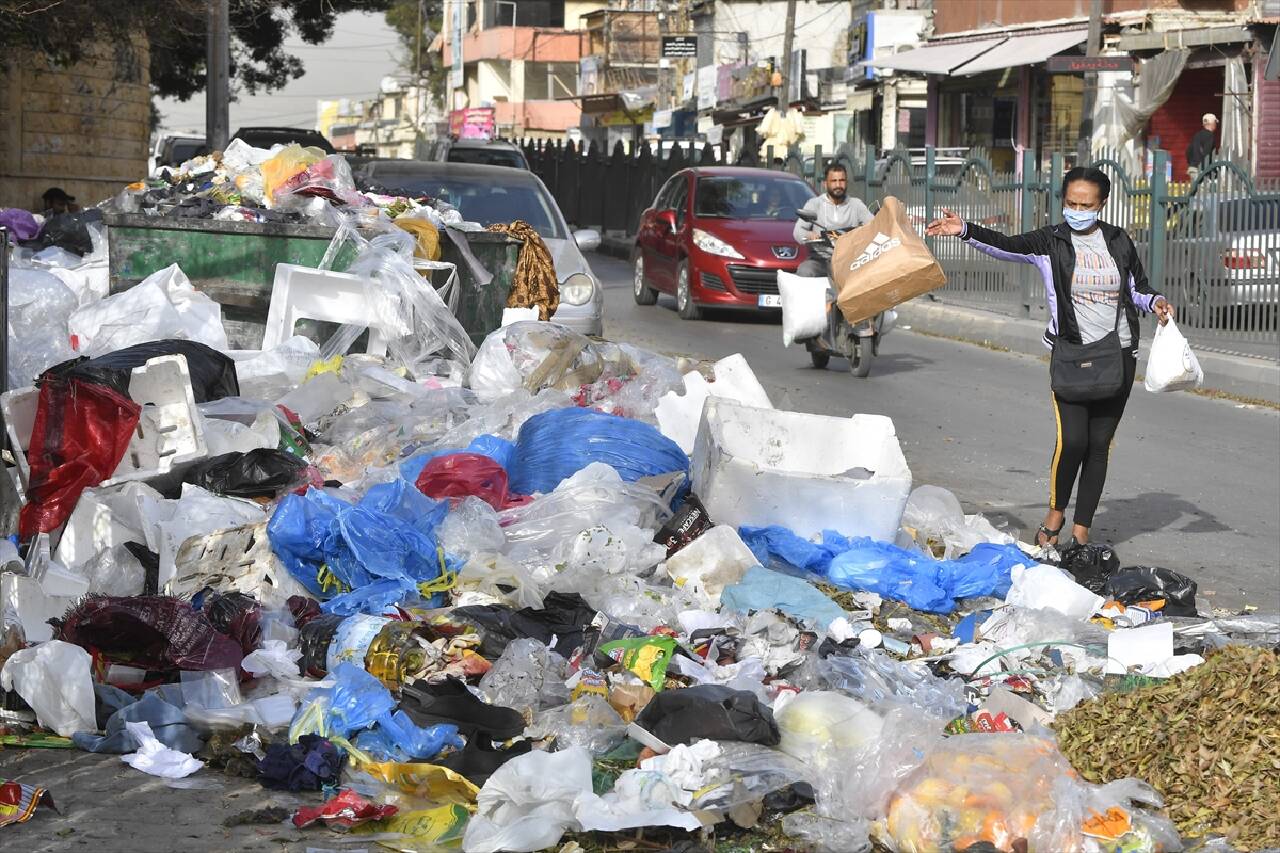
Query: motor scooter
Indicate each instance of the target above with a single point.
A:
(858, 344)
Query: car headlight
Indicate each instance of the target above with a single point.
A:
(577, 289)
(713, 245)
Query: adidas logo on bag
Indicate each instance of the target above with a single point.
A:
(879, 245)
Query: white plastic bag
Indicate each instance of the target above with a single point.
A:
(163, 305)
(39, 305)
(528, 803)
(53, 678)
(804, 306)
(1172, 366)
(155, 758)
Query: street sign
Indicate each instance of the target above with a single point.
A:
(679, 47)
(1088, 64)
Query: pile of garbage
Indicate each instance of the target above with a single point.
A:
(289, 184)
(556, 588)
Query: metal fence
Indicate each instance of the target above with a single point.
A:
(1212, 245)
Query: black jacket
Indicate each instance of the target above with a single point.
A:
(1052, 253)
(1200, 149)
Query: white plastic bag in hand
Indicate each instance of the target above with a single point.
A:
(1172, 366)
(804, 306)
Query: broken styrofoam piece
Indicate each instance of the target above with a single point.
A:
(237, 559)
(756, 466)
(678, 415)
(518, 315)
(716, 559)
(24, 598)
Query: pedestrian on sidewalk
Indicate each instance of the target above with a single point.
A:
(1201, 147)
(1084, 263)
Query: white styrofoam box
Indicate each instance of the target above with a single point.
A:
(519, 315)
(305, 293)
(104, 519)
(754, 466)
(678, 414)
(236, 559)
(169, 435)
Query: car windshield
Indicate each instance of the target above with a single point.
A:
(482, 200)
(487, 156)
(765, 197)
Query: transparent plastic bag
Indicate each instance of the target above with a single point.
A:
(502, 580)
(877, 679)
(289, 161)
(935, 514)
(421, 323)
(471, 528)
(533, 356)
(826, 834)
(39, 307)
(589, 722)
(527, 677)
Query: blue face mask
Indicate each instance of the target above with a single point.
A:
(1080, 220)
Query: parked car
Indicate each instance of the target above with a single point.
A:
(174, 149)
(1224, 253)
(265, 137)
(489, 194)
(491, 152)
(716, 237)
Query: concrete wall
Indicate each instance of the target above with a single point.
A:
(82, 128)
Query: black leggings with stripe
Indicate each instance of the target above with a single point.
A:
(1085, 433)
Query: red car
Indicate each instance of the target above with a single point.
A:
(716, 237)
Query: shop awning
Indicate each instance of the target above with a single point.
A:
(1024, 50)
(936, 58)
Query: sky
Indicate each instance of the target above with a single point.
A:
(349, 65)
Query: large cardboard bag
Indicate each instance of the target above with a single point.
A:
(882, 264)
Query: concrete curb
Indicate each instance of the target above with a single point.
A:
(1240, 375)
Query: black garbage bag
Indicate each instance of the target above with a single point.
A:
(261, 473)
(1090, 565)
(213, 375)
(1148, 583)
(67, 231)
(710, 711)
(560, 623)
(450, 701)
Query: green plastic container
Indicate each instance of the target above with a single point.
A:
(234, 263)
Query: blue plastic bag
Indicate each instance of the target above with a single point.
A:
(762, 589)
(398, 738)
(357, 700)
(388, 535)
(776, 544)
(553, 446)
(495, 447)
(920, 581)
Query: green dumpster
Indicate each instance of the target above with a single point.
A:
(234, 263)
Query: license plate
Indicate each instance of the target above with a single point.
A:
(769, 300)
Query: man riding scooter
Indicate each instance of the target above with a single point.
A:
(820, 222)
(835, 211)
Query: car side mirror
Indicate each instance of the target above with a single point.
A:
(588, 239)
(668, 217)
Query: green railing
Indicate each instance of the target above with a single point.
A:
(1212, 245)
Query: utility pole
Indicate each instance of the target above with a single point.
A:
(417, 86)
(784, 93)
(217, 91)
(1094, 47)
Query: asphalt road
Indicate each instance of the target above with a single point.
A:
(1193, 485)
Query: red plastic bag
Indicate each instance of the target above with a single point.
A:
(81, 433)
(461, 475)
(344, 811)
(153, 632)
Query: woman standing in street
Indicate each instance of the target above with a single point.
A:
(1094, 288)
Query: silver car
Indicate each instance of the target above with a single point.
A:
(489, 194)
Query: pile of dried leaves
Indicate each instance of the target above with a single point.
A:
(1208, 740)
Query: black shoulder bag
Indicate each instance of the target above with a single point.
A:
(1079, 373)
